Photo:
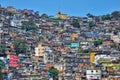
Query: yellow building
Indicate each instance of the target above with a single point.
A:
(107, 64)
(111, 64)
(61, 16)
(92, 57)
(12, 35)
(73, 36)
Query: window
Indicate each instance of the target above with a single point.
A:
(97, 77)
(92, 71)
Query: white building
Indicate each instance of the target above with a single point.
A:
(94, 74)
(115, 38)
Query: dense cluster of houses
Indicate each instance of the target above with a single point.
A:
(76, 52)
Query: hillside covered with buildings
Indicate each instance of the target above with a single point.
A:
(61, 47)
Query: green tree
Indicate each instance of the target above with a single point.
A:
(84, 51)
(20, 46)
(75, 23)
(91, 24)
(98, 42)
(44, 15)
(113, 46)
(29, 25)
(40, 37)
(9, 13)
(1, 75)
(106, 17)
(1, 66)
(2, 48)
(97, 18)
(89, 15)
(54, 73)
(115, 14)
(63, 79)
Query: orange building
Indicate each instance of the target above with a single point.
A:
(48, 66)
(59, 67)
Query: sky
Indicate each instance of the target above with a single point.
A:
(70, 7)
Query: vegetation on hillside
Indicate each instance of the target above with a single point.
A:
(20, 47)
(53, 73)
